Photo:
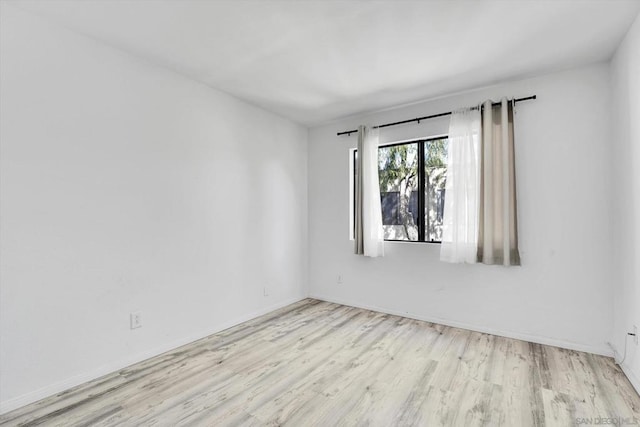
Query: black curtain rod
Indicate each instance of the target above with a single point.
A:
(418, 119)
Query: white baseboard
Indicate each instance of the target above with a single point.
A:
(55, 388)
(633, 379)
(604, 350)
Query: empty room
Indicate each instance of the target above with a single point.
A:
(319, 213)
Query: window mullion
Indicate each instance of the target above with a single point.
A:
(421, 189)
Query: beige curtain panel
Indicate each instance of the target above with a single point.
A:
(358, 247)
(369, 234)
(498, 228)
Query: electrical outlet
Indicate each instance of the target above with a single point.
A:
(265, 291)
(136, 320)
(635, 336)
(339, 280)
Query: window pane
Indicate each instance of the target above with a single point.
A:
(435, 164)
(398, 173)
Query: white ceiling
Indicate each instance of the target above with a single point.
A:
(314, 61)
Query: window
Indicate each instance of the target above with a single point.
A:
(412, 189)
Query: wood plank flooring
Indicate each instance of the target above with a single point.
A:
(315, 363)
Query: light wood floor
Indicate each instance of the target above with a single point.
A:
(317, 363)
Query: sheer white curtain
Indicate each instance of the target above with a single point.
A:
(462, 195)
(369, 234)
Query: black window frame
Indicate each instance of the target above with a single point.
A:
(421, 185)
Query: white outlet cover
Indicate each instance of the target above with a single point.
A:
(135, 320)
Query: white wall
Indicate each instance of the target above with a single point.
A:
(128, 187)
(562, 292)
(625, 73)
